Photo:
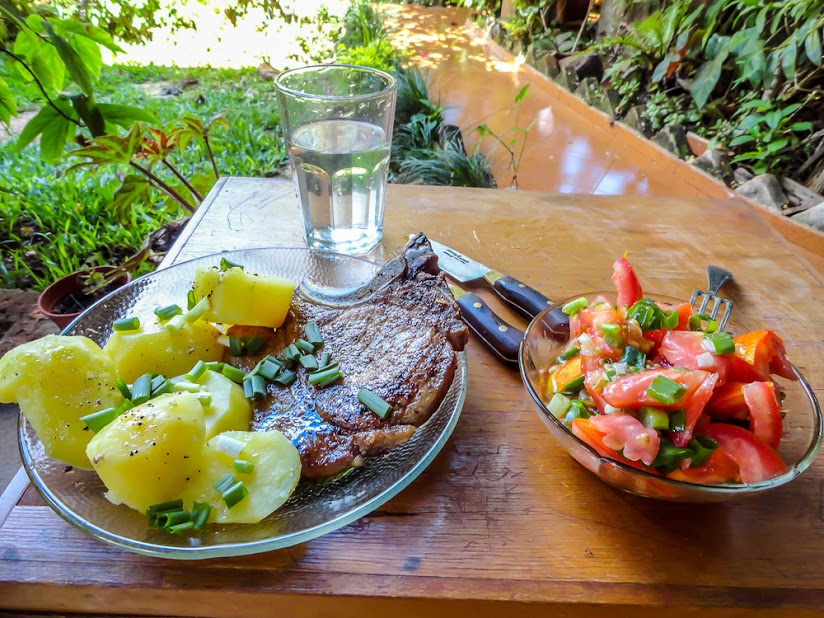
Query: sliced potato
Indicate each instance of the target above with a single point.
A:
(229, 410)
(56, 380)
(274, 477)
(239, 297)
(154, 349)
(148, 454)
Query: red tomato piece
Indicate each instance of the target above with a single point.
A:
(719, 468)
(759, 354)
(630, 391)
(756, 461)
(683, 348)
(625, 433)
(765, 412)
(727, 402)
(629, 290)
(583, 429)
(694, 408)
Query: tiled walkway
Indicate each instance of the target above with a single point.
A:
(570, 148)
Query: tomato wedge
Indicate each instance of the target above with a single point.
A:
(625, 433)
(719, 468)
(629, 290)
(727, 402)
(682, 348)
(630, 391)
(584, 430)
(765, 411)
(756, 461)
(759, 354)
(694, 408)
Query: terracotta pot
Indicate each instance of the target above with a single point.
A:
(53, 295)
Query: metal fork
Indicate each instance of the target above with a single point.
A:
(716, 277)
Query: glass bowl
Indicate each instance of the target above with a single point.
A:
(799, 445)
(314, 509)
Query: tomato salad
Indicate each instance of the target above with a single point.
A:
(662, 390)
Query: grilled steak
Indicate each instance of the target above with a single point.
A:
(399, 342)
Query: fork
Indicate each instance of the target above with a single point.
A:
(716, 277)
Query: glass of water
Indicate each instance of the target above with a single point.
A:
(337, 122)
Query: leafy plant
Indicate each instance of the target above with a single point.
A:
(362, 25)
(515, 144)
(449, 165)
(378, 54)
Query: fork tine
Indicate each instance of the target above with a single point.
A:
(694, 297)
(705, 300)
(728, 305)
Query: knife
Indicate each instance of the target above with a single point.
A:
(502, 338)
(527, 300)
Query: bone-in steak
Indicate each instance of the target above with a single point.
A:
(399, 343)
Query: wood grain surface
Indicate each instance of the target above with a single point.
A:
(503, 521)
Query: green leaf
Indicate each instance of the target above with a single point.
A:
(133, 189)
(788, 59)
(89, 113)
(482, 130)
(89, 53)
(125, 115)
(8, 106)
(741, 139)
(74, 63)
(42, 59)
(707, 78)
(773, 119)
(110, 149)
(777, 145)
(93, 33)
(812, 47)
(521, 94)
(35, 127)
(53, 139)
(800, 126)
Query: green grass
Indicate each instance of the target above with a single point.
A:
(52, 223)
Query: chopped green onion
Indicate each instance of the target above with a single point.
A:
(267, 369)
(126, 324)
(200, 514)
(291, 352)
(224, 483)
(720, 343)
(612, 334)
(634, 357)
(215, 366)
(162, 385)
(577, 410)
(573, 307)
(253, 344)
(224, 340)
(175, 324)
(123, 388)
(678, 420)
(671, 320)
(235, 494)
(573, 386)
(233, 373)
(181, 527)
(196, 372)
(317, 377)
(559, 405)
(285, 377)
(374, 403)
(242, 466)
(247, 388)
(196, 312)
(183, 386)
(304, 346)
(334, 377)
(669, 455)
(665, 390)
(309, 361)
(172, 505)
(191, 301)
(697, 323)
(167, 519)
(142, 389)
(164, 314)
(324, 360)
(226, 264)
(231, 446)
(98, 420)
(703, 447)
(236, 347)
(312, 331)
(570, 353)
(258, 386)
(654, 418)
(205, 398)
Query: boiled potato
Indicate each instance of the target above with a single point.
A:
(238, 297)
(148, 454)
(274, 477)
(153, 349)
(56, 380)
(229, 408)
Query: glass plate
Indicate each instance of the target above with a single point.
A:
(314, 509)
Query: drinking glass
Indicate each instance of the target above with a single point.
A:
(337, 123)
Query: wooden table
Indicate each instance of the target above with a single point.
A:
(503, 521)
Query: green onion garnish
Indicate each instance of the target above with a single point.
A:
(167, 519)
(285, 377)
(654, 418)
(573, 307)
(671, 320)
(253, 344)
(175, 324)
(669, 455)
(226, 264)
(703, 447)
(312, 331)
(559, 405)
(123, 388)
(325, 377)
(231, 446)
(309, 361)
(161, 385)
(164, 314)
(235, 494)
(242, 466)
(233, 373)
(125, 325)
(268, 369)
(236, 347)
(181, 527)
(573, 386)
(98, 420)
(612, 334)
(570, 353)
(634, 357)
(205, 398)
(323, 363)
(247, 388)
(196, 312)
(224, 483)
(719, 343)
(678, 420)
(577, 410)
(698, 321)
(200, 514)
(142, 389)
(196, 372)
(291, 352)
(258, 386)
(184, 386)
(172, 505)
(215, 366)
(190, 299)
(665, 390)
(332, 377)
(374, 403)
(304, 346)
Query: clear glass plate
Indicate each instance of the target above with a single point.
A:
(314, 509)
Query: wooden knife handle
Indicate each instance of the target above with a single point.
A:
(531, 302)
(502, 338)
